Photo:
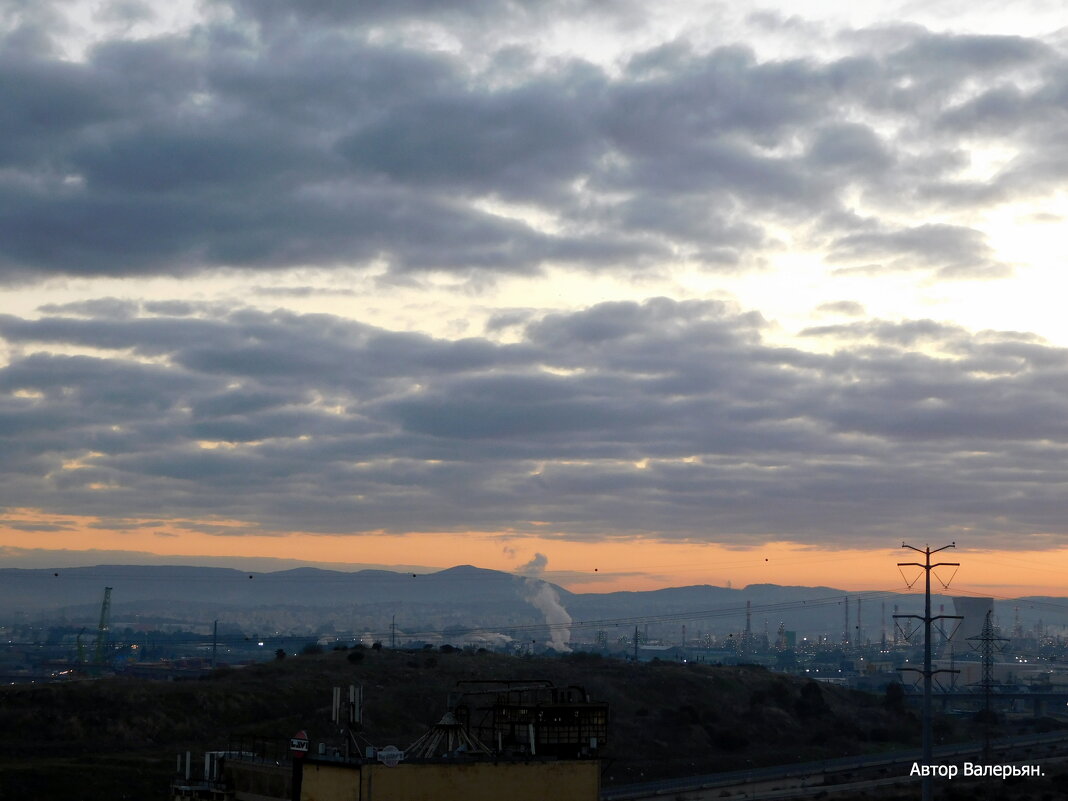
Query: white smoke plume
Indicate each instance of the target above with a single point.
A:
(535, 567)
(545, 599)
(491, 638)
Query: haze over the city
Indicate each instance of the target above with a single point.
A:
(620, 295)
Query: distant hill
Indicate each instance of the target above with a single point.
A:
(212, 591)
(305, 586)
(459, 596)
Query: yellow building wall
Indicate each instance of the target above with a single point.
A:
(578, 780)
(254, 781)
(330, 783)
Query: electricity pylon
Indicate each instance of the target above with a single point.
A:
(989, 641)
(927, 672)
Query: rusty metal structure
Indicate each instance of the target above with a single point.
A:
(532, 717)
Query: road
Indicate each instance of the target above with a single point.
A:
(804, 779)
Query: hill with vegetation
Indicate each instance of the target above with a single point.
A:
(117, 737)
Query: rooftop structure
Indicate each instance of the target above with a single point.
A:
(521, 740)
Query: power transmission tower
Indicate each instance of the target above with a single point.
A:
(989, 641)
(927, 672)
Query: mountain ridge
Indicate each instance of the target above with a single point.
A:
(461, 595)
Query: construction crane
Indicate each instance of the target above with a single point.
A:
(100, 650)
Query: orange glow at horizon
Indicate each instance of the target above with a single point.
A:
(606, 565)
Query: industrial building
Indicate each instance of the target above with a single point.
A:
(519, 740)
(561, 780)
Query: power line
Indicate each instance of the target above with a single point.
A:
(1034, 603)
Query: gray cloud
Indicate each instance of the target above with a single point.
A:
(116, 308)
(275, 135)
(300, 291)
(340, 12)
(849, 308)
(286, 134)
(672, 418)
(524, 142)
(953, 251)
(956, 55)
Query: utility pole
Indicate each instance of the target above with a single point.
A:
(393, 633)
(214, 642)
(845, 625)
(927, 567)
(882, 624)
(859, 640)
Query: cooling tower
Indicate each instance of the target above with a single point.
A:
(973, 610)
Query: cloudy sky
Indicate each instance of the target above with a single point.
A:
(670, 293)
